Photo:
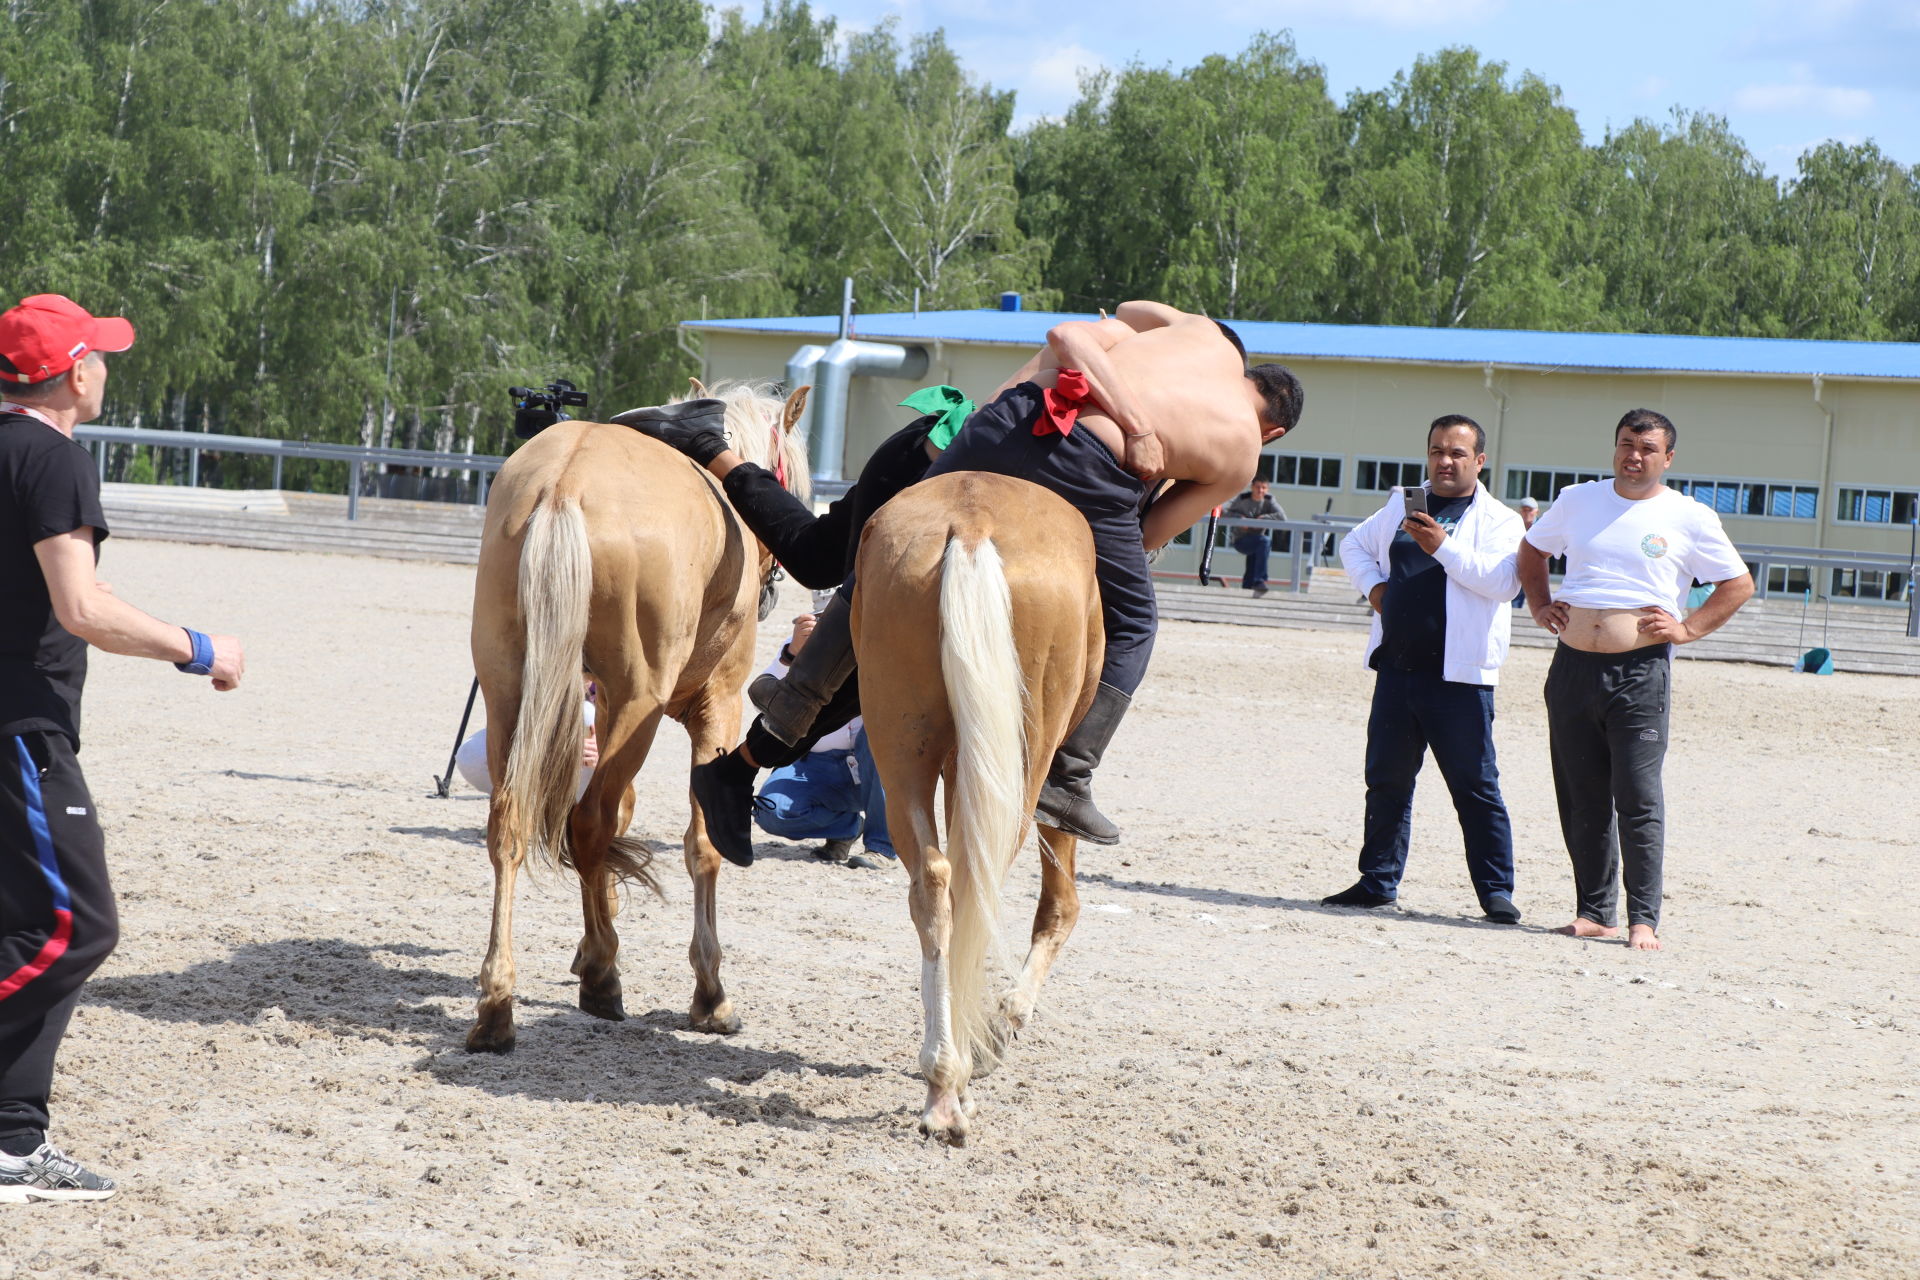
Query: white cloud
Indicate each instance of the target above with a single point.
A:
(1804, 95)
(1865, 42)
(1057, 75)
(1651, 89)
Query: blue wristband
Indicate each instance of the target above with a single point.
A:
(202, 662)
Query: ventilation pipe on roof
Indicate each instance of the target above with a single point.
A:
(829, 371)
(800, 373)
(833, 372)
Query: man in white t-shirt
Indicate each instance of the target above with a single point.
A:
(1634, 548)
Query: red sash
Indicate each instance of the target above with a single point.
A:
(1062, 403)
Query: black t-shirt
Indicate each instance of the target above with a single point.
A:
(819, 550)
(48, 486)
(1413, 614)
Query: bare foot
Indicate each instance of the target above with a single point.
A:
(1640, 937)
(1585, 928)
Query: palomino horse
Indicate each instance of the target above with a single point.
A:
(977, 624)
(609, 550)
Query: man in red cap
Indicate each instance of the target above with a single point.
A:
(57, 917)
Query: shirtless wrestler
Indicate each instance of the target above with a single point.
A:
(1108, 412)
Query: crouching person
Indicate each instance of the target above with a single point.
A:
(832, 793)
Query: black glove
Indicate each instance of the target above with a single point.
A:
(694, 427)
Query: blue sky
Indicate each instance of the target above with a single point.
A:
(1786, 74)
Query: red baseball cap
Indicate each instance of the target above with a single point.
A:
(46, 335)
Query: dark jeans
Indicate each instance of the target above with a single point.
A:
(1256, 548)
(1412, 712)
(1607, 725)
(999, 438)
(57, 918)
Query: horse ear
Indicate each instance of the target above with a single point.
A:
(699, 389)
(796, 407)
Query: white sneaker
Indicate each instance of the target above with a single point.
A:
(50, 1174)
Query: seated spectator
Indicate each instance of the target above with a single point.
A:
(1255, 544)
(832, 793)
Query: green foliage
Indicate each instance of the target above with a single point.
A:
(363, 219)
(1205, 188)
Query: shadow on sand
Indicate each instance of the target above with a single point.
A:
(353, 991)
(1230, 898)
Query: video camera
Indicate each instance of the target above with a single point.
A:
(535, 411)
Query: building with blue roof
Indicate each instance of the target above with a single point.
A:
(1795, 443)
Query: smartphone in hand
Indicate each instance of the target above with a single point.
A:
(1415, 498)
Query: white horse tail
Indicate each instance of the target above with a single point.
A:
(543, 760)
(987, 694)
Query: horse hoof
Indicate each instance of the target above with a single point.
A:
(485, 1039)
(952, 1135)
(945, 1118)
(721, 1022)
(603, 1004)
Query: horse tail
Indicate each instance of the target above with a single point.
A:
(543, 760)
(985, 690)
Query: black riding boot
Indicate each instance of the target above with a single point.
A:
(723, 788)
(788, 707)
(1066, 800)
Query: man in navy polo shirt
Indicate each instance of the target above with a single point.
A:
(57, 917)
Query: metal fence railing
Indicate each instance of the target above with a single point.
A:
(428, 474)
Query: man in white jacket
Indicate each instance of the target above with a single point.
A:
(1440, 583)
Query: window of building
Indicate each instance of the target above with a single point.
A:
(1543, 484)
(1301, 470)
(1868, 584)
(1789, 579)
(1387, 473)
(1761, 499)
(1877, 506)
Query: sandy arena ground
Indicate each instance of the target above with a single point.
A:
(1227, 1080)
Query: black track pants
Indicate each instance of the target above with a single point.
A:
(57, 918)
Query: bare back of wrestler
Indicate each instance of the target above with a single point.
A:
(1170, 396)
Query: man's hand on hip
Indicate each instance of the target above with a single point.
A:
(1553, 616)
(1377, 596)
(1657, 624)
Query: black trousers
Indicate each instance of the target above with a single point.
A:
(999, 438)
(1607, 726)
(57, 919)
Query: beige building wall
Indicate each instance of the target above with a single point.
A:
(1732, 426)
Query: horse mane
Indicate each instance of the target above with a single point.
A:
(754, 414)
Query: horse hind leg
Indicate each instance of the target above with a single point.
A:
(492, 1030)
(713, 726)
(1053, 921)
(944, 1064)
(603, 856)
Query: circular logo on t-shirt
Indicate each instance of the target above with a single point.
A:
(1653, 546)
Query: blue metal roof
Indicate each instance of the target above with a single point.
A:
(1633, 352)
